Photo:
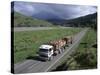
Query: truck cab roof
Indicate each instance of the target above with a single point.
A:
(45, 47)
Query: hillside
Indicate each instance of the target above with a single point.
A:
(26, 21)
(84, 21)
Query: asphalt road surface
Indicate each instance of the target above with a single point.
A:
(17, 29)
(34, 65)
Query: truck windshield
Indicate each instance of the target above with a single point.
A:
(43, 50)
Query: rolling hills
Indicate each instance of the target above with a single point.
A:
(21, 20)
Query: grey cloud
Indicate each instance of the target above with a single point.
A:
(59, 10)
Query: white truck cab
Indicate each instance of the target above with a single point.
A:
(46, 52)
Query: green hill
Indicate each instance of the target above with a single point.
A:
(26, 21)
(84, 21)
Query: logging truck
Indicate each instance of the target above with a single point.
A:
(52, 48)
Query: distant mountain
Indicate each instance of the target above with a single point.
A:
(26, 21)
(84, 21)
(46, 15)
(57, 21)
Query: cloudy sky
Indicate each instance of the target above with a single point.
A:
(53, 11)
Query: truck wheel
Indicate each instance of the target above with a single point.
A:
(63, 49)
(60, 51)
(50, 58)
(71, 42)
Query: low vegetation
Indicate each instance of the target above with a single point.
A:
(26, 43)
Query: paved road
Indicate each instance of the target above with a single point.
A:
(16, 29)
(35, 65)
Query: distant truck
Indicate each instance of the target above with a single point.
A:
(52, 48)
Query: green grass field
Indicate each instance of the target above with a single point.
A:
(26, 43)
